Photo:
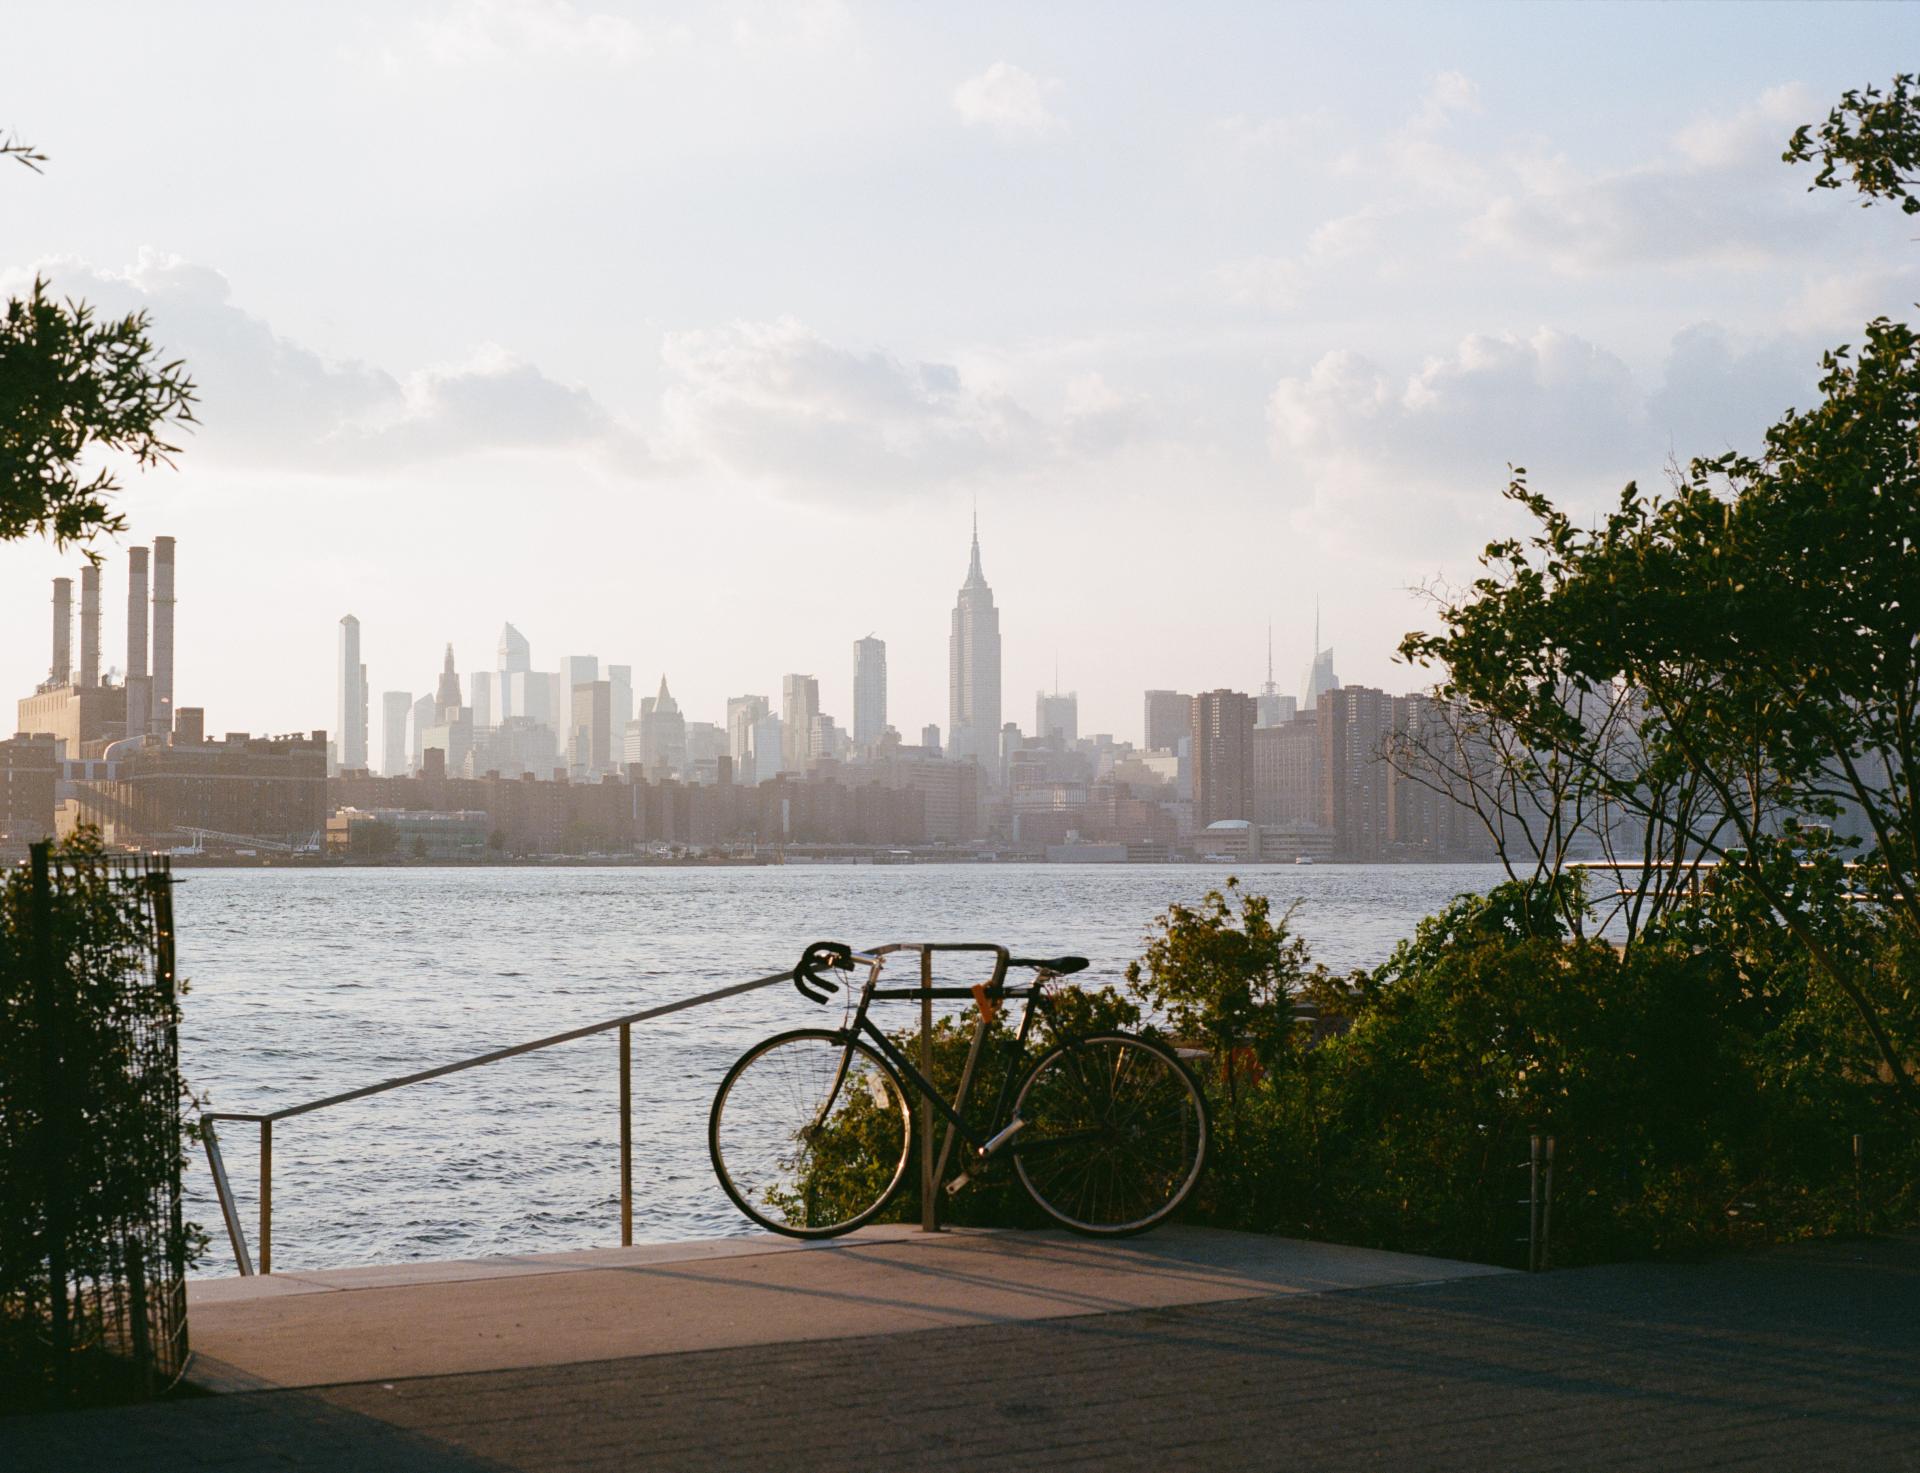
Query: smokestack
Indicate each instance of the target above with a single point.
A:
(162, 712)
(62, 671)
(89, 626)
(136, 612)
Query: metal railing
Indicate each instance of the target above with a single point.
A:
(266, 1120)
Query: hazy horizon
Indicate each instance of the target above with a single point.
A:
(689, 337)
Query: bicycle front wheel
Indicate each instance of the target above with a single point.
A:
(1115, 1134)
(809, 1133)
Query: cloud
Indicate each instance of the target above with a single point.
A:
(1413, 460)
(1718, 196)
(777, 402)
(817, 421)
(1008, 100)
(485, 33)
(267, 399)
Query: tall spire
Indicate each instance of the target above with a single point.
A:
(975, 577)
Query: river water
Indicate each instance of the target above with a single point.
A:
(305, 983)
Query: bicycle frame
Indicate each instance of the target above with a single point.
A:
(995, 991)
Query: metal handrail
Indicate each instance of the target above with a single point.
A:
(265, 1119)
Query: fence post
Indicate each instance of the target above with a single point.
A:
(1546, 1213)
(49, 1018)
(929, 1194)
(626, 1135)
(266, 1196)
(1533, 1204)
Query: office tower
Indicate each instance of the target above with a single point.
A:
(446, 699)
(394, 705)
(765, 741)
(1222, 756)
(1319, 678)
(1271, 708)
(1057, 716)
(161, 717)
(575, 670)
(590, 733)
(515, 654)
(426, 711)
(89, 627)
(620, 679)
(62, 671)
(799, 704)
(485, 684)
(742, 713)
(1169, 718)
(930, 738)
(869, 691)
(350, 738)
(663, 734)
(1286, 771)
(973, 668)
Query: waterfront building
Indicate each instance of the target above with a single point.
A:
(1355, 723)
(394, 706)
(270, 789)
(356, 833)
(869, 691)
(1286, 772)
(973, 669)
(1222, 756)
(1169, 718)
(1056, 717)
(29, 774)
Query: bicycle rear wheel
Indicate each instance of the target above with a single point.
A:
(809, 1133)
(1115, 1134)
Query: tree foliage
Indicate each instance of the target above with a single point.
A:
(75, 387)
(1871, 140)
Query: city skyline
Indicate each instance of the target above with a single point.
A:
(1202, 342)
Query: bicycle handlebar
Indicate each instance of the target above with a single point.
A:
(806, 972)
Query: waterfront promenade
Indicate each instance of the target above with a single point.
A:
(1183, 1350)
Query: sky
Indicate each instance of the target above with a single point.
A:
(692, 337)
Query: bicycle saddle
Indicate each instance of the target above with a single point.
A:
(1059, 965)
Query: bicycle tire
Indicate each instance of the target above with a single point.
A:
(757, 1134)
(1101, 1129)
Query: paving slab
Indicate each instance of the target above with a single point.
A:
(414, 1320)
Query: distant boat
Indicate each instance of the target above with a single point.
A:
(1303, 859)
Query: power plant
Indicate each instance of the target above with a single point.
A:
(88, 713)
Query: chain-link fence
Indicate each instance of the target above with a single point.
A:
(93, 1249)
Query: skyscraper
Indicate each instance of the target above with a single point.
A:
(663, 734)
(1270, 707)
(973, 669)
(1319, 678)
(514, 666)
(1057, 715)
(799, 704)
(743, 714)
(394, 706)
(1169, 718)
(590, 732)
(1222, 756)
(350, 745)
(869, 691)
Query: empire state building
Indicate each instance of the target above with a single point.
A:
(973, 670)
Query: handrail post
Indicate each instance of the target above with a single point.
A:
(266, 1196)
(626, 1135)
(929, 1196)
(223, 1189)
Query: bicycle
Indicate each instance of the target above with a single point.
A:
(811, 1130)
